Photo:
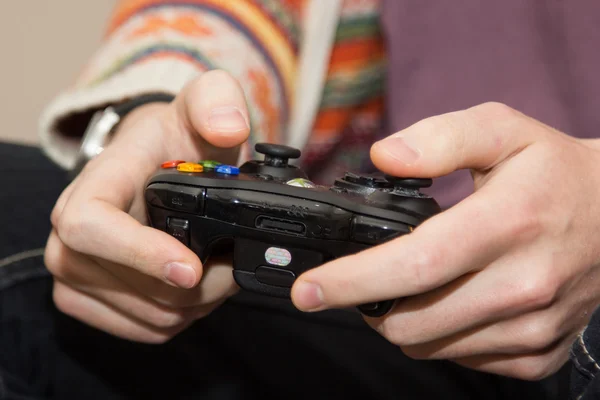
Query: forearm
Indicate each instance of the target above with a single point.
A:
(159, 46)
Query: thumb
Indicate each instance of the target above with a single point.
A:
(214, 107)
(478, 138)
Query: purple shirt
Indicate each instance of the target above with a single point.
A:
(541, 58)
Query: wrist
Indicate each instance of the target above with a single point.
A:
(143, 112)
(104, 124)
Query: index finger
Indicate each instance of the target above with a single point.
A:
(460, 240)
(93, 222)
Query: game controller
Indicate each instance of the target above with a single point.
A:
(277, 223)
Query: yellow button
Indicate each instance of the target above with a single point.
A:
(190, 167)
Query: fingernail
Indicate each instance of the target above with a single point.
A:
(227, 119)
(181, 275)
(401, 149)
(309, 296)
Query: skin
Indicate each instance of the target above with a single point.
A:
(110, 270)
(502, 282)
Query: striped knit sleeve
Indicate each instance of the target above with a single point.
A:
(157, 46)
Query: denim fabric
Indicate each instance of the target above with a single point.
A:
(585, 356)
(250, 348)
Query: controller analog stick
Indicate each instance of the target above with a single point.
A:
(409, 183)
(277, 155)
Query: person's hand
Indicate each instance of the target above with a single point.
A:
(501, 282)
(110, 269)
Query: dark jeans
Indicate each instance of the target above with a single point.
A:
(249, 348)
(585, 376)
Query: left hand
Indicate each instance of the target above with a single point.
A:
(503, 281)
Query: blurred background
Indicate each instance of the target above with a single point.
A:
(44, 45)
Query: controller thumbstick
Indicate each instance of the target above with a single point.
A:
(277, 155)
(409, 183)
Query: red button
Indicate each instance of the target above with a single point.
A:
(171, 164)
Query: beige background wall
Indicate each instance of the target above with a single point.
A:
(43, 46)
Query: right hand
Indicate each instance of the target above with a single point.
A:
(113, 272)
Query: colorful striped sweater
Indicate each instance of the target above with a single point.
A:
(312, 71)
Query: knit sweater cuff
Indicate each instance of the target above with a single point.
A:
(158, 47)
(63, 122)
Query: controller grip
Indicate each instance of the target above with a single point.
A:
(377, 309)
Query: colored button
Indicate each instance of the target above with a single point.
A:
(171, 164)
(190, 167)
(228, 170)
(209, 164)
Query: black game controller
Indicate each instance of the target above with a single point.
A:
(280, 223)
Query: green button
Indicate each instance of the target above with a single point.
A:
(209, 164)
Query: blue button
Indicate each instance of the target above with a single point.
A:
(228, 170)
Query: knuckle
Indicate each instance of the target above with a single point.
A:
(494, 109)
(55, 217)
(422, 271)
(70, 227)
(385, 329)
(165, 319)
(64, 300)
(393, 333)
(538, 290)
(175, 299)
(532, 368)
(526, 222)
(55, 260)
(537, 335)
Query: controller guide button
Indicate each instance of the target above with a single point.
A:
(209, 164)
(275, 276)
(300, 182)
(190, 167)
(228, 170)
(171, 164)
